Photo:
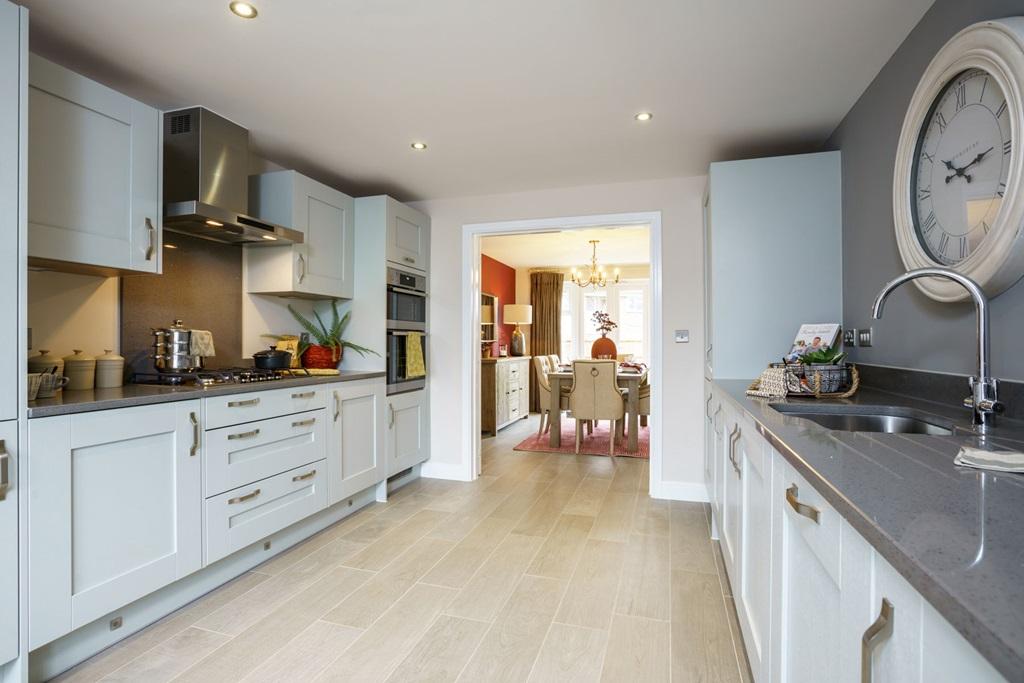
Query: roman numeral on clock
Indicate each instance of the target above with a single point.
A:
(964, 247)
(929, 157)
(961, 96)
(928, 223)
(944, 243)
(924, 194)
(941, 120)
(1002, 108)
(1007, 146)
(1002, 189)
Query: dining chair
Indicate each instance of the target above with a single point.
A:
(595, 395)
(543, 365)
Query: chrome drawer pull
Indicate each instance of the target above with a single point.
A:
(337, 406)
(195, 434)
(409, 259)
(244, 435)
(302, 271)
(304, 423)
(808, 511)
(707, 409)
(5, 470)
(303, 477)
(875, 634)
(391, 416)
(240, 404)
(734, 436)
(152, 240)
(305, 394)
(242, 499)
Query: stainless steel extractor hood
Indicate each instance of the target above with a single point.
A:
(206, 181)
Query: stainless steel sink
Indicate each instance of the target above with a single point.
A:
(879, 419)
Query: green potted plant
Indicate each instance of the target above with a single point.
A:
(828, 364)
(330, 345)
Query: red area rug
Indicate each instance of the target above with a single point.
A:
(593, 444)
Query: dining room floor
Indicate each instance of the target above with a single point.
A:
(549, 567)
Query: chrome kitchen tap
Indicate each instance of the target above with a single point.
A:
(982, 401)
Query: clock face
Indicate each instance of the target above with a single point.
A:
(960, 168)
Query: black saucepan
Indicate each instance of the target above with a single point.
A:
(272, 359)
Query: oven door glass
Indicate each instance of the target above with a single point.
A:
(406, 310)
(397, 359)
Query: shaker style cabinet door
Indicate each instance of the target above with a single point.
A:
(12, 177)
(115, 511)
(408, 243)
(8, 533)
(94, 174)
(407, 430)
(323, 265)
(752, 584)
(355, 445)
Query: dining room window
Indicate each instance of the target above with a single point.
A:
(628, 304)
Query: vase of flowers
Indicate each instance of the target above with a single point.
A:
(329, 346)
(603, 346)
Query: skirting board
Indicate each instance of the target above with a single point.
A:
(60, 655)
(444, 470)
(683, 490)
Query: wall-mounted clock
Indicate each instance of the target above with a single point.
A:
(958, 189)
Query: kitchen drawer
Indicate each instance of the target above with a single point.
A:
(250, 513)
(242, 454)
(224, 411)
(822, 537)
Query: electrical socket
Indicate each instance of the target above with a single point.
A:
(850, 337)
(864, 337)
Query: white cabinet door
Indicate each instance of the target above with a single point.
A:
(8, 535)
(115, 512)
(754, 577)
(730, 504)
(407, 430)
(408, 243)
(323, 265)
(805, 630)
(94, 174)
(718, 416)
(946, 657)
(356, 454)
(709, 441)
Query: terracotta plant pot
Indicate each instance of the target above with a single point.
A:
(603, 348)
(321, 357)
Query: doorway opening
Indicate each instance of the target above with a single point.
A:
(537, 294)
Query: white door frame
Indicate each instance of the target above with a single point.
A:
(471, 354)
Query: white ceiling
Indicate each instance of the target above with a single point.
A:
(570, 248)
(509, 95)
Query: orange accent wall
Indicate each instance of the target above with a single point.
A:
(500, 280)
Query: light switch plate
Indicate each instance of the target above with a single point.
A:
(864, 337)
(682, 336)
(850, 337)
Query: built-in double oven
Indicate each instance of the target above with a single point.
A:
(407, 331)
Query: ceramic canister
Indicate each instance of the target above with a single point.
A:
(81, 369)
(109, 370)
(44, 363)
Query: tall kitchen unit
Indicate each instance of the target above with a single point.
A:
(772, 261)
(13, 113)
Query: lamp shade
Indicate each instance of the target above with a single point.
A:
(518, 314)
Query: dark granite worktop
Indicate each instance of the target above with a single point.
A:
(68, 402)
(956, 534)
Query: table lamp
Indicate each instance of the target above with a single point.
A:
(518, 314)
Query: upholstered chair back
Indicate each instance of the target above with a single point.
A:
(595, 392)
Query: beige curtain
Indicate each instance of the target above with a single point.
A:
(546, 331)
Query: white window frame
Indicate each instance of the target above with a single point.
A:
(581, 348)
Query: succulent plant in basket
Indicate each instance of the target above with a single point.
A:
(329, 346)
(828, 364)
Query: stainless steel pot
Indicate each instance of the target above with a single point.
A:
(172, 349)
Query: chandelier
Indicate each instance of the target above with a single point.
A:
(595, 275)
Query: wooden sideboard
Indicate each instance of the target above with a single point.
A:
(504, 392)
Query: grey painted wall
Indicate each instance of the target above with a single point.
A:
(916, 332)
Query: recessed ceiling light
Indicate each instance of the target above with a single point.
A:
(419, 146)
(243, 9)
(214, 224)
(644, 116)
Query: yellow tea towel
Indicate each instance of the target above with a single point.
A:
(414, 365)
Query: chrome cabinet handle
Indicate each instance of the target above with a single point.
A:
(5, 470)
(304, 423)
(242, 499)
(707, 353)
(707, 406)
(808, 511)
(195, 434)
(410, 292)
(875, 634)
(734, 436)
(244, 435)
(303, 477)
(305, 394)
(152, 240)
(337, 405)
(391, 416)
(240, 404)
(409, 259)
(302, 269)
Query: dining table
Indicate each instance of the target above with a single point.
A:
(626, 378)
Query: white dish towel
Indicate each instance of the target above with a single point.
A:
(996, 461)
(201, 344)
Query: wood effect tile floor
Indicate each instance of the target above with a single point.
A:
(547, 568)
